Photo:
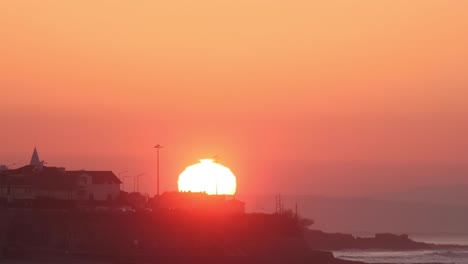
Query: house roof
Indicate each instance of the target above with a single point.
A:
(98, 177)
(52, 177)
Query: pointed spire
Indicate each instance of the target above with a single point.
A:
(35, 161)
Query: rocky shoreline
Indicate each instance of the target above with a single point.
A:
(320, 240)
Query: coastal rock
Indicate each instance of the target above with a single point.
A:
(320, 240)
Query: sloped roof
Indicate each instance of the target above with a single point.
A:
(52, 177)
(38, 177)
(98, 177)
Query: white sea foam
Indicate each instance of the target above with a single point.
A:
(455, 256)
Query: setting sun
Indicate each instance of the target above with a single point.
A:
(207, 176)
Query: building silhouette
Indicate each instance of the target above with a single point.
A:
(27, 186)
(200, 202)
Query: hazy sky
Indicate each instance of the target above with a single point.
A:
(331, 97)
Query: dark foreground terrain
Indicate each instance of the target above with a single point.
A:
(153, 237)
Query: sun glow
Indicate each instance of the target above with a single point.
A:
(207, 176)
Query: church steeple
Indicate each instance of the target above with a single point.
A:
(35, 161)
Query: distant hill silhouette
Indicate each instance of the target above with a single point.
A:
(368, 215)
(455, 195)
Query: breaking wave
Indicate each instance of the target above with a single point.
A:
(451, 253)
(455, 256)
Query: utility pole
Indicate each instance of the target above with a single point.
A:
(276, 204)
(215, 159)
(279, 204)
(296, 214)
(157, 147)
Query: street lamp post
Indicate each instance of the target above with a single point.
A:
(123, 181)
(122, 172)
(157, 147)
(137, 179)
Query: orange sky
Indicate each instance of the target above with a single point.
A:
(294, 96)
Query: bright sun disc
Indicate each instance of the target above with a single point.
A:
(207, 176)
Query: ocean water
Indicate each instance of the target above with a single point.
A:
(455, 256)
(449, 255)
(441, 239)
